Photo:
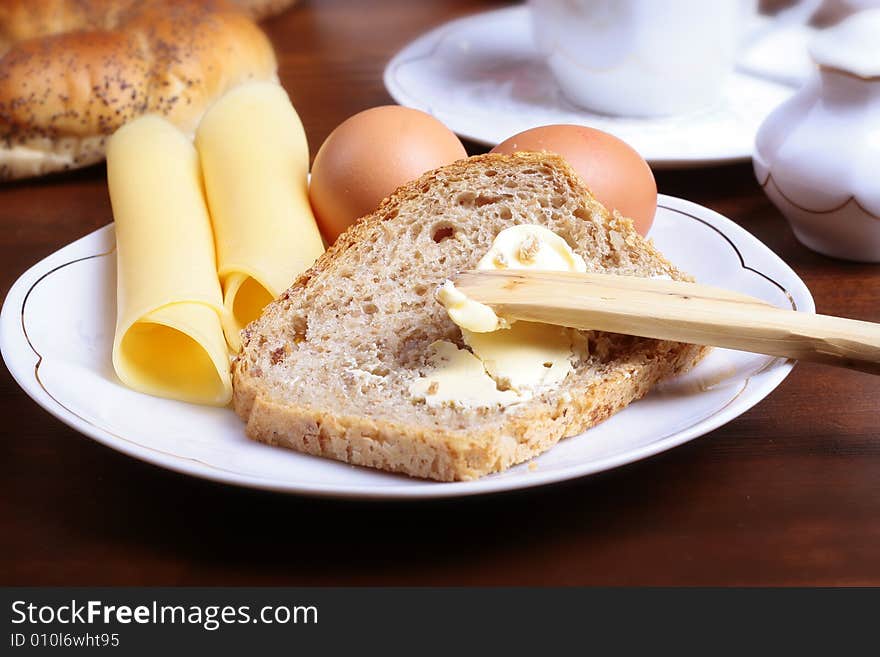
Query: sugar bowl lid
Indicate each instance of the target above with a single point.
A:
(852, 46)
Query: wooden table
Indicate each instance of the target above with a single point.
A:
(788, 493)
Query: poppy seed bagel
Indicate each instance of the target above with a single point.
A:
(73, 71)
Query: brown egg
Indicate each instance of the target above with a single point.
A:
(616, 174)
(370, 155)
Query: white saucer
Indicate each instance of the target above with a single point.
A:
(779, 53)
(482, 76)
(56, 333)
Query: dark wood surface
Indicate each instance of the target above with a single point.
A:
(788, 493)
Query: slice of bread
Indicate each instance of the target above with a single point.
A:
(327, 368)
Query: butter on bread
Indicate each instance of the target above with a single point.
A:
(327, 369)
(519, 358)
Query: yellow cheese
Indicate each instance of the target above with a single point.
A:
(169, 340)
(458, 379)
(255, 160)
(519, 357)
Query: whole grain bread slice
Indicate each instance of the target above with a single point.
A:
(327, 368)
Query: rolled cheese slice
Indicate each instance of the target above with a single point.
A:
(169, 339)
(255, 160)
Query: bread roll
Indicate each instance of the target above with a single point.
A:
(73, 71)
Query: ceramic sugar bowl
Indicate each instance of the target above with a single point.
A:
(818, 154)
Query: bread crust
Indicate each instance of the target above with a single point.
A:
(72, 72)
(437, 453)
(446, 455)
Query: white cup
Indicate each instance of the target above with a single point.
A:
(640, 57)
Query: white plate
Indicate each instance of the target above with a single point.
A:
(483, 77)
(56, 332)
